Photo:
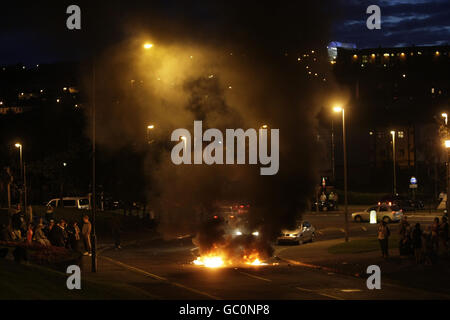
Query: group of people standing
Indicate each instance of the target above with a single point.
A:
(425, 245)
(59, 234)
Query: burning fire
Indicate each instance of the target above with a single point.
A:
(217, 260)
(209, 261)
(253, 259)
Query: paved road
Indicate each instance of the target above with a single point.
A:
(332, 226)
(164, 271)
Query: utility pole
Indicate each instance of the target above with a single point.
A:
(8, 187)
(25, 187)
(345, 176)
(332, 153)
(394, 162)
(93, 204)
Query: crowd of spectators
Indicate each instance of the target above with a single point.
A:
(21, 227)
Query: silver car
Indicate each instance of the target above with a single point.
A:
(385, 212)
(305, 232)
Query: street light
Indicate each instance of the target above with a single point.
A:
(339, 109)
(19, 146)
(148, 46)
(393, 160)
(149, 127)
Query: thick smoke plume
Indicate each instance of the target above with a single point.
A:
(231, 67)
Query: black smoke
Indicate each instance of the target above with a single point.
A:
(231, 65)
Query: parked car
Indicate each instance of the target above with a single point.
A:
(385, 212)
(404, 203)
(304, 232)
(82, 203)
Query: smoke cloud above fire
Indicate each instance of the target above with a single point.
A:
(231, 67)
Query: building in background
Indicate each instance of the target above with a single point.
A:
(403, 89)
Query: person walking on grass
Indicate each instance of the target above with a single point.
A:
(404, 245)
(30, 234)
(86, 235)
(417, 242)
(383, 238)
(435, 234)
(443, 234)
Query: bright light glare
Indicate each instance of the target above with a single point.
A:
(148, 46)
(18, 145)
(447, 143)
(151, 126)
(393, 133)
(256, 233)
(238, 233)
(337, 109)
(209, 262)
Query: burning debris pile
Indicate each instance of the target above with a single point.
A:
(222, 246)
(188, 75)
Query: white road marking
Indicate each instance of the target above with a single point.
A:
(351, 290)
(319, 293)
(151, 275)
(253, 276)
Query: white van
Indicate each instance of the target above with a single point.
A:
(81, 203)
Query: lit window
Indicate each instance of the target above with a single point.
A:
(432, 90)
(401, 134)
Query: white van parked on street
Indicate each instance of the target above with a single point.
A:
(81, 203)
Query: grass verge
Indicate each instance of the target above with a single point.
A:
(362, 245)
(30, 282)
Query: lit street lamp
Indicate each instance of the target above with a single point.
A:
(23, 190)
(338, 109)
(18, 145)
(393, 160)
(149, 127)
(147, 46)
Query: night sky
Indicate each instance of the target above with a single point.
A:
(34, 33)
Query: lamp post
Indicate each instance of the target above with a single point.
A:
(93, 199)
(333, 166)
(393, 133)
(447, 164)
(20, 147)
(338, 109)
(149, 128)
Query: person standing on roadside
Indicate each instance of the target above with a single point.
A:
(417, 242)
(86, 235)
(443, 234)
(383, 238)
(435, 235)
(404, 243)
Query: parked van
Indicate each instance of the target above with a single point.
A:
(81, 203)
